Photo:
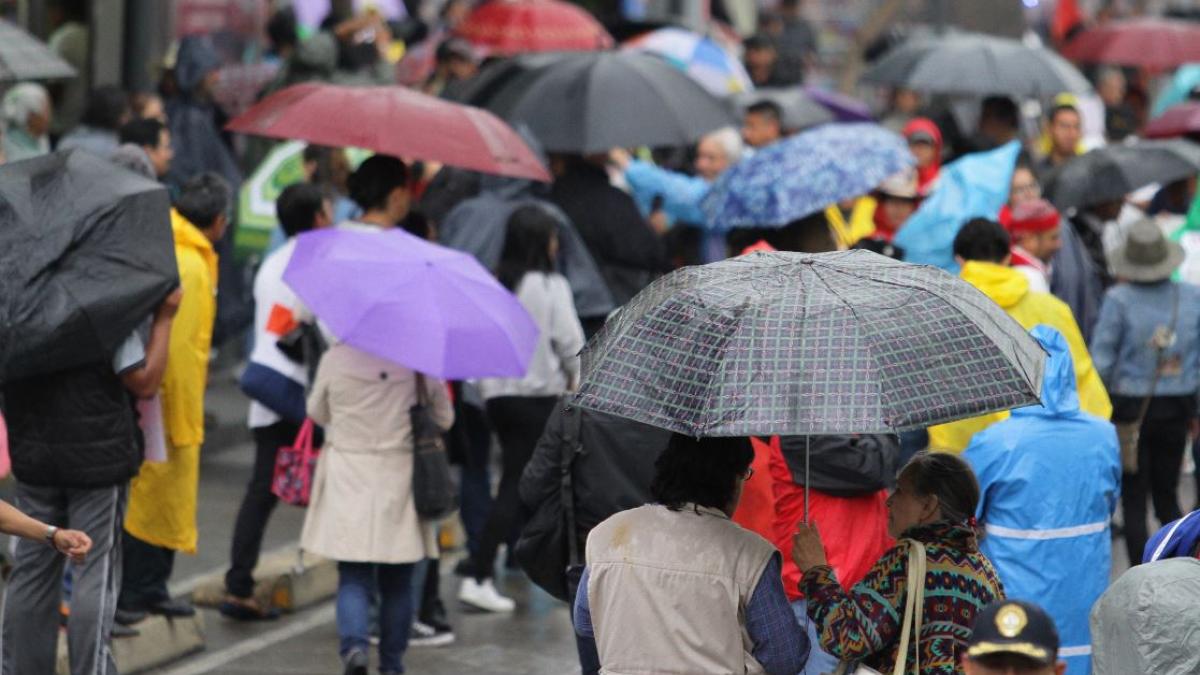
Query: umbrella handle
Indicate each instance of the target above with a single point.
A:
(807, 482)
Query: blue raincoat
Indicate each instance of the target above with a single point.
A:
(1049, 479)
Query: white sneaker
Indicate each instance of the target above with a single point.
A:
(424, 635)
(483, 595)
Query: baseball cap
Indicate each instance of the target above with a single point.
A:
(1014, 627)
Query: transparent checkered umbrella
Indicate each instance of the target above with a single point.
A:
(800, 344)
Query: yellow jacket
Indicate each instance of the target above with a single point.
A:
(860, 225)
(162, 498)
(1010, 289)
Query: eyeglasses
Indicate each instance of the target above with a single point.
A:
(749, 473)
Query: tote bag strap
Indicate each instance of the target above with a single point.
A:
(303, 441)
(914, 607)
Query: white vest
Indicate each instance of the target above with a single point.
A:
(668, 591)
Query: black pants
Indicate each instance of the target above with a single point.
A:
(256, 509)
(146, 569)
(1160, 458)
(518, 422)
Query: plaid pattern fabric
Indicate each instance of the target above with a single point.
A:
(793, 343)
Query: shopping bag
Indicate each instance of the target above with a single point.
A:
(295, 466)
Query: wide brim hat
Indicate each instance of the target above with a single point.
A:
(1146, 255)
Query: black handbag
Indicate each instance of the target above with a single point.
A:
(433, 488)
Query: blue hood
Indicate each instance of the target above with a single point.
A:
(1059, 395)
(195, 59)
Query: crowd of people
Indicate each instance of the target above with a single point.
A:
(751, 554)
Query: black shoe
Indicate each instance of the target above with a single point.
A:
(438, 623)
(174, 608)
(463, 568)
(356, 663)
(128, 617)
(119, 631)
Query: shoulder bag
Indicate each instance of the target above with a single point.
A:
(432, 486)
(914, 608)
(1128, 433)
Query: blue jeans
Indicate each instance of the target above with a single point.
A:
(356, 588)
(476, 480)
(819, 661)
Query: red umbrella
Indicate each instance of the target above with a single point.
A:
(1155, 44)
(1179, 120)
(508, 27)
(395, 121)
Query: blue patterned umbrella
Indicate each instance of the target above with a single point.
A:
(801, 175)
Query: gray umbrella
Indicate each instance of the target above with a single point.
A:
(24, 57)
(800, 110)
(1109, 173)
(803, 344)
(1146, 621)
(593, 102)
(979, 65)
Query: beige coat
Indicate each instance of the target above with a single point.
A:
(362, 508)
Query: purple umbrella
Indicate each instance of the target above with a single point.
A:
(844, 108)
(424, 306)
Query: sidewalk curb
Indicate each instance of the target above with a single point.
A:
(161, 641)
(284, 581)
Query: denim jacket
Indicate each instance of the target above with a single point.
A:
(1123, 346)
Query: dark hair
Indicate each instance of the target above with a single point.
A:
(298, 206)
(107, 107)
(417, 224)
(375, 179)
(282, 29)
(947, 477)
(1062, 107)
(203, 198)
(526, 245)
(758, 42)
(1002, 109)
(702, 471)
(770, 109)
(984, 240)
(145, 132)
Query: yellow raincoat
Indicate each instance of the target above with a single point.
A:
(1010, 289)
(162, 498)
(860, 225)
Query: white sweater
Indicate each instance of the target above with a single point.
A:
(555, 362)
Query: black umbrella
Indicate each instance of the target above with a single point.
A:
(24, 57)
(976, 64)
(1111, 172)
(593, 102)
(800, 110)
(87, 253)
(500, 84)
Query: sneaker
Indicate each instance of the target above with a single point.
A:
(424, 635)
(356, 662)
(483, 595)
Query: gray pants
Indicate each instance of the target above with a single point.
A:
(31, 601)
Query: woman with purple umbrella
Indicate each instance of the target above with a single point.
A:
(519, 407)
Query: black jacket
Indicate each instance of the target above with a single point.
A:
(629, 253)
(75, 428)
(844, 465)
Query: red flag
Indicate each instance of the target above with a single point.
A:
(1067, 17)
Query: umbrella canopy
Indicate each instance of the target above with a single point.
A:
(395, 121)
(704, 59)
(87, 253)
(800, 110)
(508, 27)
(794, 343)
(412, 302)
(1179, 120)
(805, 173)
(1111, 172)
(1152, 43)
(310, 13)
(1179, 89)
(591, 103)
(978, 65)
(24, 57)
(500, 84)
(844, 108)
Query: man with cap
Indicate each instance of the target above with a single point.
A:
(1035, 232)
(1013, 637)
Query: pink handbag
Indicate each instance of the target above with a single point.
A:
(294, 468)
(5, 463)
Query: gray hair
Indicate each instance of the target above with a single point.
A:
(24, 100)
(730, 141)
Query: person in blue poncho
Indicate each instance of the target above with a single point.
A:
(1050, 477)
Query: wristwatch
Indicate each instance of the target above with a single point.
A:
(49, 536)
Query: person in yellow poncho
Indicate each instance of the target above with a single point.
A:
(982, 248)
(162, 499)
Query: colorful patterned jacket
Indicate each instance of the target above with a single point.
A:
(864, 624)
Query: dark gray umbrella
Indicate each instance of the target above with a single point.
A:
(87, 253)
(805, 344)
(979, 65)
(1109, 173)
(593, 102)
(800, 110)
(500, 85)
(24, 57)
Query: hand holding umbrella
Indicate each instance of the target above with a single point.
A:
(807, 550)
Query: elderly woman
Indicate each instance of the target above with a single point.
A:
(27, 115)
(934, 504)
(676, 586)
